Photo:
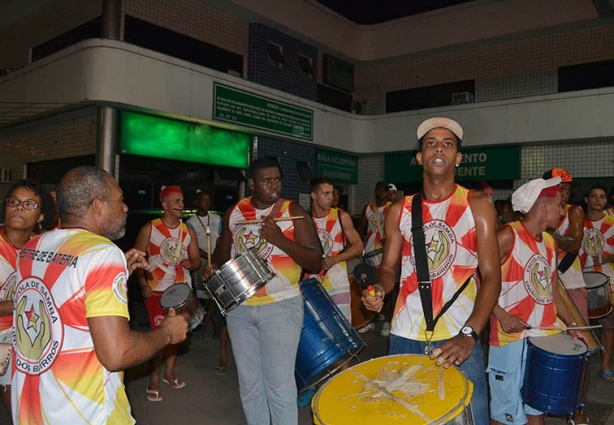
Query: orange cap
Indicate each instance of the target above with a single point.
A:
(558, 172)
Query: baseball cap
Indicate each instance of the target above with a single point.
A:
(380, 185)
(392, 187)
(525, 196)
(560, 172)
(167, 190)
(440, 122)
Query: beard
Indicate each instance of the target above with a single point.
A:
(114, 230)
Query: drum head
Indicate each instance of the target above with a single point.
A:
(422, 393)
(175, 295)
(595, 279)
(561, 343)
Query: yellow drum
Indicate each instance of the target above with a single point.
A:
(401, 389)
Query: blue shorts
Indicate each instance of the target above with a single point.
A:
(506, 368)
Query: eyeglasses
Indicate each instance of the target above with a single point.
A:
(28, 204)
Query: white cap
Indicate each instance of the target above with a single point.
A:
(392, 187)
(440, 122)
(525, 196)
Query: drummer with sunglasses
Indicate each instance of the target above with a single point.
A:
(265, 329)
(529, 298)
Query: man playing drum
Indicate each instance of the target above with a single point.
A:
(340, 242)
(597, 255)
(266, 328)
(529, 298)
(371, 230)
(172, 250)
(459, 230)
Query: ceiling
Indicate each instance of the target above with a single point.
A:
(369, 12)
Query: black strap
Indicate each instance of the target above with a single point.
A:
(566, 262)
(422, 268)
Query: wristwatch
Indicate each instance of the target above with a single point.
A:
(468, 331)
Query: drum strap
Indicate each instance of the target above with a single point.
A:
(566, 262)
(422, 268)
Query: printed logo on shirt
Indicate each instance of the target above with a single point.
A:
(593, 242)
(440, 247)
(171, 250)
(376, 222)
(7, 290)
(246, 239)
(38, 327)
(327, 241)
(120, 288)
(537, 279)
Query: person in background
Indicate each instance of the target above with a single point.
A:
(505, 213)
(610, 210)
(529, 298)
(451, 214)
(265, 329)
(371, 230)
(72, 336)
(28, 209)
(597, 255)
(172, 252)
(393, 193)
(337, 191)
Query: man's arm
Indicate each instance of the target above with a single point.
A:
(575, 230)
(6, 308)
(222, 248)
(193, 261)
(459, 348)
(306, 251)
(386, 274)
(363, 223)
(141, 243)
(118, 347)
(354, 245)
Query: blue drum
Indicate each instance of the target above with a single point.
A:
(556, 368)
(326, 337)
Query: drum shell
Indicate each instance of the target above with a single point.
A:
(348, 398)
(181, 298)
(326, 336)
(238, 279)
(598, 293)
(373, 258)
(552, 381)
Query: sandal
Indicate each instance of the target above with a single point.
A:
(154, 395)
(175, 383)
(606, 376)
(220, 370)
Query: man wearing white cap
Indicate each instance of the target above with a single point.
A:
(458, 230)
(393, 193)
(529, 299)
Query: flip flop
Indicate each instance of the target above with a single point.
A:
(175, 383)
(154, 395)
(606, 376)
(220, 370)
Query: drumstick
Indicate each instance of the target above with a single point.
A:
(564, 328)
(208, 230)
(296, 217)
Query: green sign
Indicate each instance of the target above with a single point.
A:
(491, 163)
(151, 136)
(338, 167)
(243, 108)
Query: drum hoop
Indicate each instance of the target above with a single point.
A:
(373, 253)
(605, 282)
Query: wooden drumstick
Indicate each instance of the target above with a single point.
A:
(296, 217)
(208, 230)
(564, 328)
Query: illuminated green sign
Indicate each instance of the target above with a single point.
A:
(492, 163)
(338, 167)
(147, 135)
(244, 108)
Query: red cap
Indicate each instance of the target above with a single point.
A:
(166, 191)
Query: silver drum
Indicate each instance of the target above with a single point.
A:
(238, 279)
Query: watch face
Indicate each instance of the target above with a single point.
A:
(466, 330)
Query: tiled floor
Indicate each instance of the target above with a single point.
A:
(211, 399)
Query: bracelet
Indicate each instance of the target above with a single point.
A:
(380, 286)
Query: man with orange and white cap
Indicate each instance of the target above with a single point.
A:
(568, 236)
(529, 299)
(172, 251)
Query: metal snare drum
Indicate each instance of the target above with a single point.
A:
(598, 292)
(373, 258)
(238, 279)
(182, 299)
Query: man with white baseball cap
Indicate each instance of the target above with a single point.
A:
(393, 193)
(529, 300)
(446, 320)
